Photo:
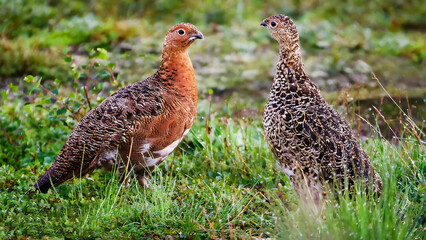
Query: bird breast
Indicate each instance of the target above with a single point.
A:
(153, 158)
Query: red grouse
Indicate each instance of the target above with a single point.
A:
(139, 125)
(312, 143)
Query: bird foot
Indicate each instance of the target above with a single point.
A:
(143, 181)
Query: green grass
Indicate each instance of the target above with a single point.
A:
(342, 42)
(398, 214)
(221, 182)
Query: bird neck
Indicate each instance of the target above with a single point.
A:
(290, 68)
(176, 69)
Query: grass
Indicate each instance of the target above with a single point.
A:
(221, 182)
(342, 41)
(396, 215)
(82, 208)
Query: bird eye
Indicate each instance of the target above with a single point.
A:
(273, 24)
(181, 32)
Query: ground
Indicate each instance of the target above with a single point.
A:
(222, 180)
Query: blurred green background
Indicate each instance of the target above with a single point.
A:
(343, 42)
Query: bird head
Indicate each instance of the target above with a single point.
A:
(282, 28)
(181, 36)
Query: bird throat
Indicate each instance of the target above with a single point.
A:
(176, 68)
(290, 68)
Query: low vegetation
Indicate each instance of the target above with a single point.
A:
(57, 63)
(222, 182)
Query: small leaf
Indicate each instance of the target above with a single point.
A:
(105, 74)
(103, 54)
(76, 75)
(29, 78)
(13, 88)
(68, 59)
(61, 111)
(76, 106)
(111, 65)
(100, 99)
(4, 94)
(83, 76)
(55, 91)
(27, 107)
(46, 101)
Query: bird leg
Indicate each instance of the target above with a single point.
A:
(309, 191)
(143, 181)
(107, 159)
(143, 175)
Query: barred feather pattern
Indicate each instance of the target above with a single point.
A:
(137, 126)
(311, 142)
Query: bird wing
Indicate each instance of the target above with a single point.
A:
(330, 139)
(107, 126)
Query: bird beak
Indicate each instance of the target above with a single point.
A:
(263, 24)
(196, 36)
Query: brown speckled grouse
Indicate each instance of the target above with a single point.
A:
(143, 122)
(312, 143)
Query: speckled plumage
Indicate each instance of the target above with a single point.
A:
(311, 142)
(143, 122)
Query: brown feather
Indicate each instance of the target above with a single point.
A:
(142, 122)
(311, 142)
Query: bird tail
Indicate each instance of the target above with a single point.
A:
(45, 182)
